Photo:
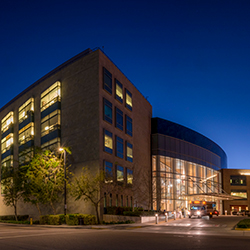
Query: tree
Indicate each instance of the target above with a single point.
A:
(90, 187)
(44, 176)
(12, 187)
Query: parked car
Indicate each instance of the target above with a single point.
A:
(216, 212)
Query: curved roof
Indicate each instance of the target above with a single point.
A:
(165, 127)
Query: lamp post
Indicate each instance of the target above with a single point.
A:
(65, 190)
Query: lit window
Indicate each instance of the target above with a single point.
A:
(129, 127)
(119, 147)
(129, 176)
(118, 91)
(119, 174)
(6, 143)
(50, 123)
(239, 193)
(107, 80)
(119, 119)
(51, 95)
(108, 142)
(128, 100)
(26, 133)
(129, 152)
(25, 110)
(237, 180)
(107, 111)
(108, 169)
(7, 121)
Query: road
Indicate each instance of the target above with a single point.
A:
(179, 234)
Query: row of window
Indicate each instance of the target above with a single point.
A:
(119, 146)
(119, 200)
(108, 116)
(238, 180)
(108, 86)
(121, 174)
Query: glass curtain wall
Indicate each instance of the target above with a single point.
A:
(174, 181)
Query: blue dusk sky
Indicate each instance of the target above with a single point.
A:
(191, 59)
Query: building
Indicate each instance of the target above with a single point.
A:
(186, 167)
(89, 105)
(236, 183)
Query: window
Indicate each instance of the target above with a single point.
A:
(128, 100)
(129, 127)
(105, 200)
(119, 174)
(239, 193)
(129, 176)
(6, 143)
(131, 201)
(110, 200)
(51, 95)
(26, 133)
(116, 200)
(119, 147)
(7, 121)
(7, 163)
(51, 145)
(25, 110)
(26, 155)
(121, 200)
(238, 180)
(107, 111)
(129, 152)
(107, 80)
(119, 119)
(108, 142)
(108, 170)
(50, 123)
(118, 91)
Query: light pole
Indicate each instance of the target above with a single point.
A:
(65, 190)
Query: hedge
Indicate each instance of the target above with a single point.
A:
(73, 219)
(12, 217)
(118, 210)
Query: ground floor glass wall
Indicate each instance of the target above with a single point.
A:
(176, 182)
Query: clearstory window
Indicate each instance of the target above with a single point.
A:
(119, 173)
(129, 176)
(118, 91)
(108, 142)
(119, 119)
(51, 95)
(129, 126)
(25, 110)
(108, 170)
(238, 180)
(107, 80)
(107, 111)
(7, 121)
(119, 147)
(128, 100)
(129, 152)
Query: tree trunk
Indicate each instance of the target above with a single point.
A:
(54, 210)
(15, 209)
(38, 208)
(97, 214)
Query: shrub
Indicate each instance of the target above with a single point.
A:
(44, 219)
(131, 213)
(244, 224)
(118, 210)
(54, 220)
(71, 219)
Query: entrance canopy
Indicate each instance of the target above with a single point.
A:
(219, 196)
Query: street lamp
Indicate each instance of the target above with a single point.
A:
(65, 191)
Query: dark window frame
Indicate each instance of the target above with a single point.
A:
(119, 123)
(107, 76)
(119, 143)
(129, 121)
(109, 105)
